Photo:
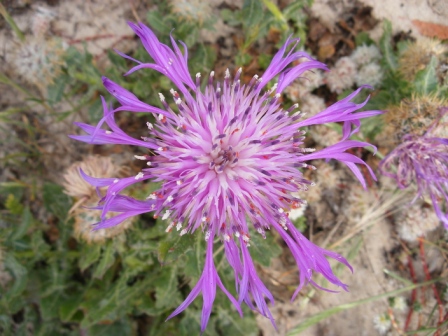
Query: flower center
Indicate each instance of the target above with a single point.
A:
(222, 158)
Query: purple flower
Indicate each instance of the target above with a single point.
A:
(422, 160)
(230, 162)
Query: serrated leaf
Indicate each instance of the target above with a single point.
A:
(425, 80)
(233, 324)
(20, 275)
(49, 305)
(69, 307)
(24, 225)
(171, 249)
(119, 328)
(167, 294)
(56, 90)
(232, 18)
(252, 13)
(106, 261)
(89, 255)
(155, 20)
(389, 58)
(55, 201)
(203, 59)
(194, 262)
(263, 250)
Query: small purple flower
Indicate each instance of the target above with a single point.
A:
(228, 160)
(422, 160)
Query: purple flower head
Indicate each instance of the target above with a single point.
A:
(230, 162)
(422, 160)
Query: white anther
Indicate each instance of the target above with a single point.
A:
(226, 237)
(152, 196)
(184, 231)
(256, 76)
(277, 95)
(218, 90)
(246, 238)
(212, 74)
(178, 182)
(178, 226)
(160, 116)
(198, 75)
(166, 214)
(139, 176)
(178, 101)
(150, 126)
(207, 235)
(140, 157)
(148, 163)
(281, 210)
(160, 149)
(162, 97)
(240, 70)
(227, 74)
(169, 198)
(237, 234)
(116, 180)
(204, 219)
(108, 132)
(170, 227)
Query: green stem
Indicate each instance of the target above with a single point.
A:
(12, 23)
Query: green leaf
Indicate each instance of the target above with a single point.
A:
(232, 18)
(167, 294)
(426, 80)
(389, 58)
(49, 305)
(203, 59)
(24, 225)
(277, 13)
(194, 262)
(107, 260)
(70, 306)
(56, 90)
(155, 20)
(363, 38)
(262, 250)
(14, 205)
(95, 111)
(20, 275)
(252, 13)
(171, 249)
(89, 255)
(119, 328)
(55, 201)
(233, 324)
